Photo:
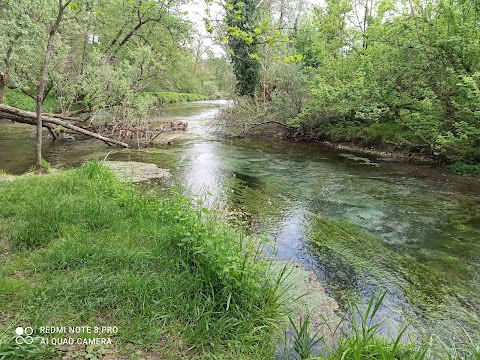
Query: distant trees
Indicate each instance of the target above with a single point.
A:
(256, 33)
(401, 72)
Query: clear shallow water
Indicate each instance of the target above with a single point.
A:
(426, 223)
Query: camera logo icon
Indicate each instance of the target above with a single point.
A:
(24, 335)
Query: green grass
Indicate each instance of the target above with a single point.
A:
(358, 337)
(86, 249)
(19, 100)
(361, 339)
(16, 98)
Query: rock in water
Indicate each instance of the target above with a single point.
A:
(137, 171)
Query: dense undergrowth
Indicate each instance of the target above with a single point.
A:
(81, 248)
(162, 98)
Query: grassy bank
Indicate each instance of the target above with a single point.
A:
(19, 100)
(80, 248)
(165, 97)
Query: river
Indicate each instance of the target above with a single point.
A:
(361, 225)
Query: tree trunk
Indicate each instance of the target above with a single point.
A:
(411, 128)
(3, 85)
(43, 80)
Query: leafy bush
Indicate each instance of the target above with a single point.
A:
(465, 169)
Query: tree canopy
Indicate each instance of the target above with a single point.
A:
(104, 54)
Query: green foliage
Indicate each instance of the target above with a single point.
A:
(135, 47)
(159, 268)
(358, 337)
(363, 341)
(240, 20)
(94, 352)
(391, 133)
(211, 89)
(19, 100)
(45, 165)
(172, 97)
(9, 350)
(465, 169)
(143, 102)
(417, 68)
(304, 341)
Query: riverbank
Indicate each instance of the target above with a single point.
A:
(390, 140)
(79, 248)
(96, 267)
(414, 211)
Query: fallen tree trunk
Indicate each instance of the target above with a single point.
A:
(64, 117)
(27, 117)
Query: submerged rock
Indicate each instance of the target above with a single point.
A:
(305, 295)
(137, 171)
(361, 160)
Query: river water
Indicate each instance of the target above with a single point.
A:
(410, 230)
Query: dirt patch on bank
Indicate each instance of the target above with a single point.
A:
(4, 248)
(8, 177)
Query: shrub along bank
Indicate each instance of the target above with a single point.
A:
(81, 248)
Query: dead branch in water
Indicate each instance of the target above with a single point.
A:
(27, 117)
